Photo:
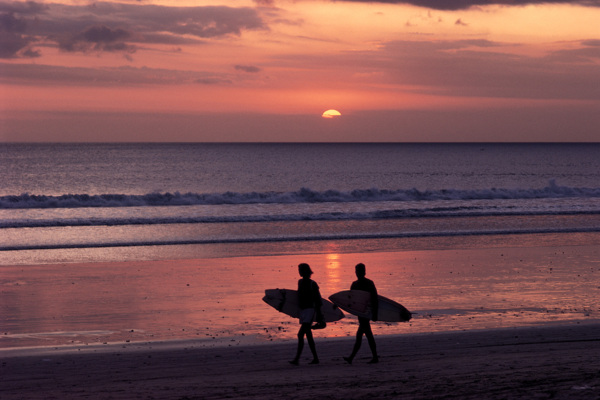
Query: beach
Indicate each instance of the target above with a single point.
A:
(532, 363)
(145, 330)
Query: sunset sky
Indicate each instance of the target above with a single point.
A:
(242, 70)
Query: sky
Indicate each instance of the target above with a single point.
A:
(266, 70)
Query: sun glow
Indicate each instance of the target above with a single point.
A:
(331, 114)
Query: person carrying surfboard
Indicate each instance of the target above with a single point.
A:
(309, 299)
(364, 324)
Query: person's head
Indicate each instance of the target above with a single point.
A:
(304, 270)
(360, 270)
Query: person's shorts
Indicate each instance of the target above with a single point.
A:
(307, 315)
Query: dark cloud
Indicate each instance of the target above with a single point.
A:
(106, 26)
(98, 38)
(13, 40)
(103, 34)
(247, 68)
(450, 5)
(10, 23)
(13, 44)
(26, 8)
(202, 22)
(213, 81)
(30, 53)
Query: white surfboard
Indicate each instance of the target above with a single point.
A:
(286, 301)
(358, 302)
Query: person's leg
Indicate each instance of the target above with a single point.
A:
(357, 343)
(371, 340)
(311, 344)
(296, 360)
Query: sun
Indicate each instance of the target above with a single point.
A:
(331, 114)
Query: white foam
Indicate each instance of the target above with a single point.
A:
(303, 195)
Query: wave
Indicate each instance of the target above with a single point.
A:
(448, 212)
(304, 195)
(292, 238)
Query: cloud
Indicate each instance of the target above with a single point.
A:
(50, 75)
(106, 26)
(10, 23)
(467, 68)
(213, 81)
(14, 45)
(265, 3)
(99, 38)
(588, 54)
(247, 68)
(474, 69)
(25, 8)
(202, 22)
(592, 42)
(450, 5)
(13, 40)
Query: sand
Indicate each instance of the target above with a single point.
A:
(541, 338)
(556, 362)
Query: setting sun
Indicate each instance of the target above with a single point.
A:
(331, 114)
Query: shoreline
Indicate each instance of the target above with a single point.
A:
(534, 362)
(174, 253)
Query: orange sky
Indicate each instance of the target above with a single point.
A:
(266, 70)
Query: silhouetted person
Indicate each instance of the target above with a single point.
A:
(310, 302)
(364, 326)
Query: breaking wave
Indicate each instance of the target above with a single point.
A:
(382, 214)
(304, 195)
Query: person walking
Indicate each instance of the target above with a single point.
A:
(309, 299)
(364, 324)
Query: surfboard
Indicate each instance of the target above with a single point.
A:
(286, 301)
(358, 302)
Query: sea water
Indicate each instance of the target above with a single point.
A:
(62, 204)
(68, 202)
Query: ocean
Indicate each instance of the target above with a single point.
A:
(58, 201)
(62, 204)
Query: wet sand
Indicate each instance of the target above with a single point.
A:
(454, 289)
(558, 362)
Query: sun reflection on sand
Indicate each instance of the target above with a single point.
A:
(332, 270)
